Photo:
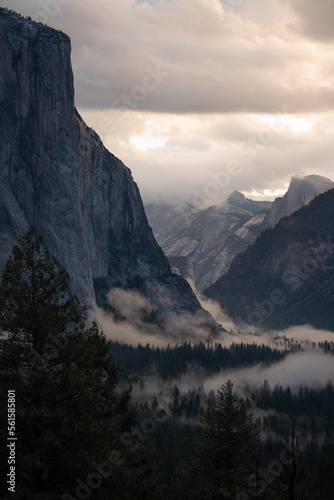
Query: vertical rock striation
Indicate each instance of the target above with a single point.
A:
(56, 174)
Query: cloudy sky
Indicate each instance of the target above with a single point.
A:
(200, 97)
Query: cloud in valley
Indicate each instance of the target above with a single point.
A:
(310, 369)
(134, 329)
(249, 334)
(131, 320)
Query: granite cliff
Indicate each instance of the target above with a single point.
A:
(56, 174)
(301, 191)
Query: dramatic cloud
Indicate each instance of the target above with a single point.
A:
(202, 58)
(178, 89)
(177, 158)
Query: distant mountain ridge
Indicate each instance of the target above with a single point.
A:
(209, 238)
(287, 277)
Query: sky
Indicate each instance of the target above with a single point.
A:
(201, 97)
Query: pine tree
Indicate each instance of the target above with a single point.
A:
(75, 434)
(219, 469)
(293, 474)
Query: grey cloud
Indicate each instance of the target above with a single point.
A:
(194, 144)
(307, 369)
(133, 307)
(315, 18)
(216, 62)
(311, 369)
(213, 64)
(173, 174)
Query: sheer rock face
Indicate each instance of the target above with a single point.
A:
(301, 191)
(56, 174)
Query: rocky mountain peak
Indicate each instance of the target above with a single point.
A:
(236, 198)
(286, 277)
(301, 191)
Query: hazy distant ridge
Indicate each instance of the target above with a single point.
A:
(287, 277)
